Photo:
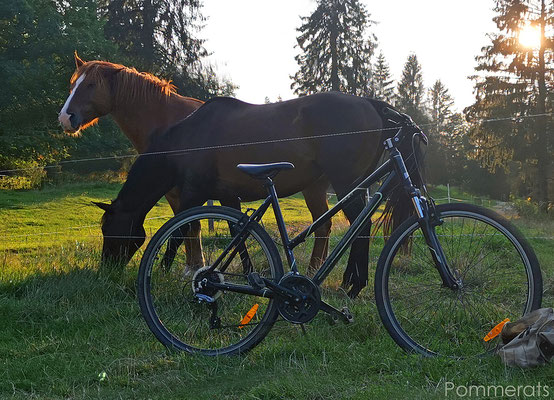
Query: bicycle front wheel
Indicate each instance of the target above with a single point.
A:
(498, 269)
(216, 322)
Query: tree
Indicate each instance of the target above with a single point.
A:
(383, 85)
(515, 80)
(440, 106)
(159, 36)
(37, 41)
(411, 91)
(334, 52)
(446, 155)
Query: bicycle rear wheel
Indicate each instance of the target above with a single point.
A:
(215, 324)
(499, 272)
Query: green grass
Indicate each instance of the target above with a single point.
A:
(63, 324)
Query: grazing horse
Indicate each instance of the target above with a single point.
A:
(287, 131)
(144, 106)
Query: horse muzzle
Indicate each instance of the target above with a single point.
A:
(70, 122)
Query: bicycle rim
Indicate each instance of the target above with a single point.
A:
(498, 277)
(173, 311)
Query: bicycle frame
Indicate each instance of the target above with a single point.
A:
(387, 172)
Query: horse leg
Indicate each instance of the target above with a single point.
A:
(245, 258)
(355, 276)
(315, 196)
(189, 234)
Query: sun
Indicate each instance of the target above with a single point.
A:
(530, 36)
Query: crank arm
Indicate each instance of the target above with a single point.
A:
(345, 315)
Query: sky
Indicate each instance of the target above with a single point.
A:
(253, 41)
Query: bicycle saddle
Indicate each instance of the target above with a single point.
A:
(262, 171)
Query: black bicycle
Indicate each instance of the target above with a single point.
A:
(445, 276)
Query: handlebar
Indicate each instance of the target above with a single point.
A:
(402, 119)
(397, 117)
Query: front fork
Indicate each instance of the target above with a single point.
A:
(428, 220)
(427, 217)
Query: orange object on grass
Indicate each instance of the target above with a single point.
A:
(249, 315)
(496, 330)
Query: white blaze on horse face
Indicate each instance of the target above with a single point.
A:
(63, 117)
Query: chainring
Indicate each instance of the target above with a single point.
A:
(305, 306)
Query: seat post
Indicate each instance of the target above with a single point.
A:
(270, 186)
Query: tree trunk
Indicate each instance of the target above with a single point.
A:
(335, 82)
(543, 161)
(149, 14)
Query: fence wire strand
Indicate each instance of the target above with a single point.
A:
(254, 143)
(7, 234)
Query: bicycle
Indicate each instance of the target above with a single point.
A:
(444, 278)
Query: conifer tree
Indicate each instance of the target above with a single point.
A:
(335, 53)
(156, 34)
(411, 91)
(514, 80)
(159, 36)
(440, 106)
(446, 156)
(383, 85)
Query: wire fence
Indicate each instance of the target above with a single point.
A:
(12, 234)
(252, 143)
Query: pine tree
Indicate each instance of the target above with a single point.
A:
(411, 91)
(440, 106)
(516, 81)
(159, 36)
(334, 53)
(446, 157)
(383, 85)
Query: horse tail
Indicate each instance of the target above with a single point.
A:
(399, 206)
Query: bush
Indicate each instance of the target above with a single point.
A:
(30, 174)
(529, 209)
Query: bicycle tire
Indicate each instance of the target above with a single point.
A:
(190, 331)
(424, 317)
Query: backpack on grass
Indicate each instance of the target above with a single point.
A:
(529, 341)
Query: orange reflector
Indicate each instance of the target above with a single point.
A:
(496, 330)
(249, 315)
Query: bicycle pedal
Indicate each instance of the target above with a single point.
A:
(255, 280)
(348, 317)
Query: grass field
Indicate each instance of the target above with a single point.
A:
(68, 332)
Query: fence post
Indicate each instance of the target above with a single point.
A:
(211, 221)
(448, 188)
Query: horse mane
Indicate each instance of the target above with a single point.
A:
(127, 84)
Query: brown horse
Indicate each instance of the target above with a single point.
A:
(144, 106)
(292, 131)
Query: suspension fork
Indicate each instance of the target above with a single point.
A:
(426, 221)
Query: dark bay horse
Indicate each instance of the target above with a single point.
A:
(144, 106)
(292, 127)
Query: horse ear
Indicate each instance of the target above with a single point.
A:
(104, 206)
(78, 61)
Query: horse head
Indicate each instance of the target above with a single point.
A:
(98, 88)
(90, 94)
(123, 234)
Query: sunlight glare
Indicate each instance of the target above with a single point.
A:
(530, 36)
